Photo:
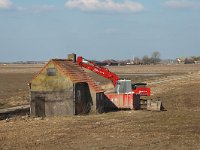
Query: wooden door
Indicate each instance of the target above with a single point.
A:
(83, 98)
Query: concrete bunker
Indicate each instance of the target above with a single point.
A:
(62, 88)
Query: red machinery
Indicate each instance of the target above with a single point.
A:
(126, 95)
(137, 88)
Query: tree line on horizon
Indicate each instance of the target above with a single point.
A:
(155, 59)
(145, 60)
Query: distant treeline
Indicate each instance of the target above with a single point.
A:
(145, 60)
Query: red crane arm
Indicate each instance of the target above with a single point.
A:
(98, 69)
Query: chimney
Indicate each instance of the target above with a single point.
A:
(72, 57)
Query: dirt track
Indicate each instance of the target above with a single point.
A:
(176, 128)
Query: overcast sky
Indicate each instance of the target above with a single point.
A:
(98, 29)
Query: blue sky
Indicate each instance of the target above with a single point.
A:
(98, 29)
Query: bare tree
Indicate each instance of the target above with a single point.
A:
(155, 57)
(137, 61)
(146, 60)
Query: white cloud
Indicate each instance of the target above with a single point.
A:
(106, 5)
(5, 4)
(182, 4)
(37, 9)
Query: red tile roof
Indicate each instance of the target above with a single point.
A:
(74, 72)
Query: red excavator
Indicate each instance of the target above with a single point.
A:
(137, 88)
(126, 95)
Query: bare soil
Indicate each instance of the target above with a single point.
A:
(14, 81)
(176, 128)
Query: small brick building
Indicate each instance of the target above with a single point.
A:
(63, 88)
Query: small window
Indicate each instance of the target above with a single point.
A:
(51, 71)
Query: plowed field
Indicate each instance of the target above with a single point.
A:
(178, 86)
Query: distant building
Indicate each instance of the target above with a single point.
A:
(99, 63)
(185, 60)
(180, 60)
(111, 62)
(197, 62)
(189, 61)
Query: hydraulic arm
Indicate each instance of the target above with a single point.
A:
(121, 85)
(98, 69)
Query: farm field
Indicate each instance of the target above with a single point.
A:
(14, 80)
(176, 128)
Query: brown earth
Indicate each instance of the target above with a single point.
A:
(177, 128)
(14, 81)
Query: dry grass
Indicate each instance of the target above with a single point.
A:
(14, 89)
(14, 80)
(177, 128)
(169, 69)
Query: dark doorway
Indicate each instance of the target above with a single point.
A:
(83, 99)
(40, 106)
